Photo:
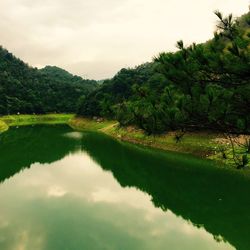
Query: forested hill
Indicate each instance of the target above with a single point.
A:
(24, 89)
(60, 75)
(201, 86)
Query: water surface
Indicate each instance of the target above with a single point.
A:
(62, 189)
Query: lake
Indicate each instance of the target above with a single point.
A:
(63, 189)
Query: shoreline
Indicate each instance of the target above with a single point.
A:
(202, 144)
(24, 120)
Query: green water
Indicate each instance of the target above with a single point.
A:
(62, 189)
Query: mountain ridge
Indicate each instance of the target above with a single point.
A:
(25, 89)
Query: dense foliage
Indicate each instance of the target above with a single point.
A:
(28, 90)
(204, 86)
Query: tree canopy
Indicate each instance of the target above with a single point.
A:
(201, 86)
(24, 89)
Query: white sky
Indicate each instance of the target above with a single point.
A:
(96, 38)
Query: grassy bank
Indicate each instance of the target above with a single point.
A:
(200, 144)
(22, 120)
(3, 126)
(91, 125)
(203, 144)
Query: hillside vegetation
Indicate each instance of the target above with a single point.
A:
(201, 86)
(24, 89)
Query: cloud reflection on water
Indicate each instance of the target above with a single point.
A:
(72, 203)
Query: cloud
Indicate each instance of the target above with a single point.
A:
(95, 38)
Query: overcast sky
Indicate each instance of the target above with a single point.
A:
(96, 38)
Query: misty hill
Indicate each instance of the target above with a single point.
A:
(24, 89)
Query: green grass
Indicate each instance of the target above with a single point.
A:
(3, 126)
(23, 120)
(201, 144)
(229, 161)
(92, 125)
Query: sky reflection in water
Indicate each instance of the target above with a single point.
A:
(73, 203)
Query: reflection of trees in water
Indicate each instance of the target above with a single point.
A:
(209, 197)
(21, 147)
(213, 198)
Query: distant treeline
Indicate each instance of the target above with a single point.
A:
(201, 86)
(24, 89)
